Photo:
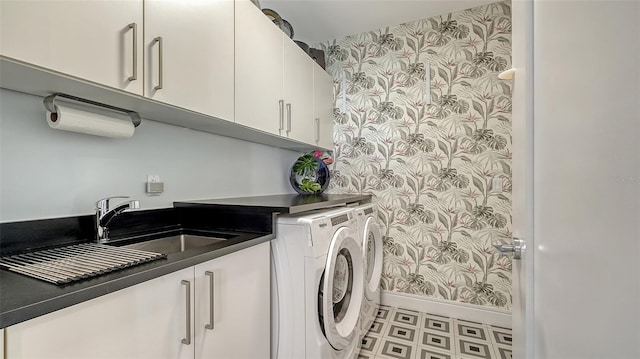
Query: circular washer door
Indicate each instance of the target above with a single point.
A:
(372, 253)
(342, 290)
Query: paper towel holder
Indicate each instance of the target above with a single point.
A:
(49, 104)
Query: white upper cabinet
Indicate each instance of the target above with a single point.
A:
(189, 55)
(298, 93)
(259, 70)
(100, 41)
(323, 105)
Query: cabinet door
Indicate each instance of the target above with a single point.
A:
(189, 55)
(239, 325)
(144, 321)
(91, 40)
(323, 105)
(298, 93)
(258, 69)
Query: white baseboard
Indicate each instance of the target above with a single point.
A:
(474, 313)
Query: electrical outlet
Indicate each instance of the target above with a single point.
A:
(153, 178)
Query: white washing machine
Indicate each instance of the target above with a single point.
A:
(317, 286)
(370, 241)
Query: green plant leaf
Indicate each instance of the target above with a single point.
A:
(305, 165)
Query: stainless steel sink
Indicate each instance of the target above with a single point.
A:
(174, 244)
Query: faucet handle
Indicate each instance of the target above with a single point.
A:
(103, 204)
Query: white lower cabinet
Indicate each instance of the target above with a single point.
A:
(235, 321)
(162, 318)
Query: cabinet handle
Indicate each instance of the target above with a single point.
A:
(160, 64)
(134, 77)
(281, 104)
(211, 299)
(187, 339)
(317, 130)
(288, 117)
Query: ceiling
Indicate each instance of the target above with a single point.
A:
(316, 21)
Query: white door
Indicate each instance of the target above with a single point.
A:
(579, 170)
(189, 55)
(99, 41)
(522, 135)
(342, 290)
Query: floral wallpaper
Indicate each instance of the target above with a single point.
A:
(434, 168)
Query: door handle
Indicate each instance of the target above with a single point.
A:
(187, 339)
(211, 299)
(134, 75)
(317, 130)
(516, 248)
(160, 63)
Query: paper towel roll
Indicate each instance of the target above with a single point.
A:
(70, 119)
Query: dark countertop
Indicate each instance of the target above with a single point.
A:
(23, 298)
(252, 218)
(285, 203)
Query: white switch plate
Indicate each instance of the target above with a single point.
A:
(153, 178)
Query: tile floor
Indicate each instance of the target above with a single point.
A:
(404, 334)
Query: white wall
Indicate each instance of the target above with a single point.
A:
(587, 179)
(45, 173)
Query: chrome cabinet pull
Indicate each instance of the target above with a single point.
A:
(160, 64)
(281, 104)
(187, 339)
(317, 130)
(211, 299)
(288, 117)
(134, 26)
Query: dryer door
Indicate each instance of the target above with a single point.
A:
(372, 252)
(342, 290)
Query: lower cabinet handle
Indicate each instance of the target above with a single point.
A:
(211, 299)
(187, 340)
(288, 117)
(281, 104)
(317, 130)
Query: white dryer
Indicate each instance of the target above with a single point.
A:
(317, 286)
(370, 240)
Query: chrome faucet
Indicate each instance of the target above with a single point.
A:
(104, 215)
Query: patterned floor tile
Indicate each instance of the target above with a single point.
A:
(405, 334)
(378, 328)
(390, 348)
(502, 352)
(474, 348)
(402, 333)
(384, 313)
(501, 336)
(370, 345)
(471, 330)
(437, 323)
(437, 340)
(362, 355)
(432, 353)
(405, 317)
